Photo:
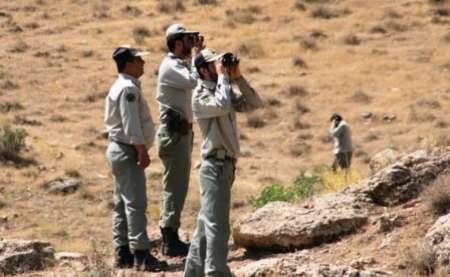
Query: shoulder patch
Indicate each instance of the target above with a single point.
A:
(205, 99)
(130, 97)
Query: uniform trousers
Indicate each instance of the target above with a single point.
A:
(174, 150)
(209, 247)
(130, 197)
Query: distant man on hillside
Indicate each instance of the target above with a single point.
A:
(174, 139)
(343, 148)
(215, 105)
(131, 132)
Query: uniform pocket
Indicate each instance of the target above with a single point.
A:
(165, 141)
(212, 168)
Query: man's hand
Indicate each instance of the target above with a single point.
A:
(235, 72)
(143, 157)
(220, 69)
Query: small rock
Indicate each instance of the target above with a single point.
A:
(69, 256)
(389, 118)
(297, 61)
(64, 186)
(76, 147)
(362, 263)
(104, 134)
(386, 242)
(383, 159)
(387, 223)
(366, 115)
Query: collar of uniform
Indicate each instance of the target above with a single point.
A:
(131, 78)
(209, 84)
(173, 56)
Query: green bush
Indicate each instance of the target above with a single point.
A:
(12, 141)
(303, 185)
(301, 188)
(270, 193)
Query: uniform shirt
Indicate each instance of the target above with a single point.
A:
(342, 138)
(176, 80)
(215, 106)
(127, 116)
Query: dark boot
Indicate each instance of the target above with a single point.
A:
(123, 257)
(144, 261)
(172, 245)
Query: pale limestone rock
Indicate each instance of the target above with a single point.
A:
(18, 256)
(403, 180)
(293, 265)
(281, 225)
(383, 159)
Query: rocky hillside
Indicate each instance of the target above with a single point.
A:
(394, 223)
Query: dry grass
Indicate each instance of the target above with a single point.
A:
(422, 259)
(337, 181)
(140, 33)
(437, 196)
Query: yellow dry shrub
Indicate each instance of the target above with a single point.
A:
(337, 181)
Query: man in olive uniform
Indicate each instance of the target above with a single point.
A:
(131, 132)
(215, 105)
(176, 80)
(343, 148)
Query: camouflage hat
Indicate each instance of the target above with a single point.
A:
(178, 28)
(207, 55)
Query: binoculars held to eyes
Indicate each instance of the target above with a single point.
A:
(228, 60)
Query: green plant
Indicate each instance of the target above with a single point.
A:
(302, 187)
(12, 141)
(271, 193)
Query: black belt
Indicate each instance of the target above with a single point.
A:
(122, 143)
(221, 156)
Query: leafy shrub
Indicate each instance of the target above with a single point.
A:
(303, 184)
(12, 141)
(271, 193)
(301, 188)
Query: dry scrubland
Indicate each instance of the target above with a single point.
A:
(307, 59)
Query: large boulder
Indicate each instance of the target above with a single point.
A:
(404, 179)
(293, 265)
(18, 256)
(383, 159)
(284, 226)
(438, 239)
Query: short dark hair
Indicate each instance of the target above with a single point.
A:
(336, 116)
(200, 62)
(122, 56)
(172, 39)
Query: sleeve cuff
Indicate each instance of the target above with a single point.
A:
(223, 79)
(137, 141)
